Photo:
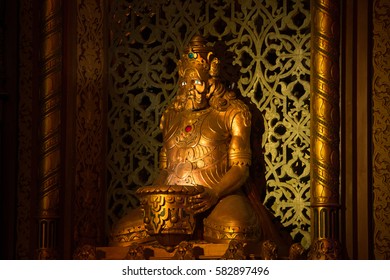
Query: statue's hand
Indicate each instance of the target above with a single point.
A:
(203, 201)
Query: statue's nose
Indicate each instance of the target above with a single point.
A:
(191, 91)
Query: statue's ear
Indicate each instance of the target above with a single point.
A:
(211, 87)
(214, 67)
(180, 68)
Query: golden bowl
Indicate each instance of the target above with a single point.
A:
(167, 213)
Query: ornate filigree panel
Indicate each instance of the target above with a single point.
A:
(90, 123)
(266, 51)
(381, 127)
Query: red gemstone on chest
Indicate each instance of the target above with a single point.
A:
(188, 128)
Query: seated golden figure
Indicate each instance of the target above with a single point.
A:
(203, 191)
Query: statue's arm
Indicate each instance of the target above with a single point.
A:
(239, 162)
(233, 180)
(239, 157)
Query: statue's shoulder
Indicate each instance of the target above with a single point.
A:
(169, 111)
(228, 101)
(167, 116)
(238, 106)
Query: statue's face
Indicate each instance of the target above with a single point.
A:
(193, 90)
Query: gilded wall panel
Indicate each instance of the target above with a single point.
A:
(265, 48)
(89, 123)
(381, 128)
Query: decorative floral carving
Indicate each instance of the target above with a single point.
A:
(325, 249)
(297, 252)
(85, 252)
(381, 128)
(269, 250)
(184, 251)
(135, 252)
(226, 233)
(235, 251)
(90, 123)
(167, 211)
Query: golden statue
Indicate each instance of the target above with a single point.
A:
(203, 191)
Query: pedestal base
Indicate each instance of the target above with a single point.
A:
(198, 250)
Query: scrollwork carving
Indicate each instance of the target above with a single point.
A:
(135, 252)
(85, 252)
(269, 250)
(325, 249)
(167, 210)
(235, 251)
(89, 122)
(297, 252)
(184, 251)
(380, 128)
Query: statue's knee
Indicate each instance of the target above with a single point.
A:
(232, 218)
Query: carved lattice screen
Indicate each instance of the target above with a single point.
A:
(269, 43)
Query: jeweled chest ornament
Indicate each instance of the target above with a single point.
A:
(188, 128)
(188, 131)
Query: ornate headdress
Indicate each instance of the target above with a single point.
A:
(200, 57)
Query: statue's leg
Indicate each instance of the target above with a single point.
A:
(129, 229)
(232, 218)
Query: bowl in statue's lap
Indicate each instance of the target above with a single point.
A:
(167, 214)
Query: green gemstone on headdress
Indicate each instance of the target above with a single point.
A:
(191, 55)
